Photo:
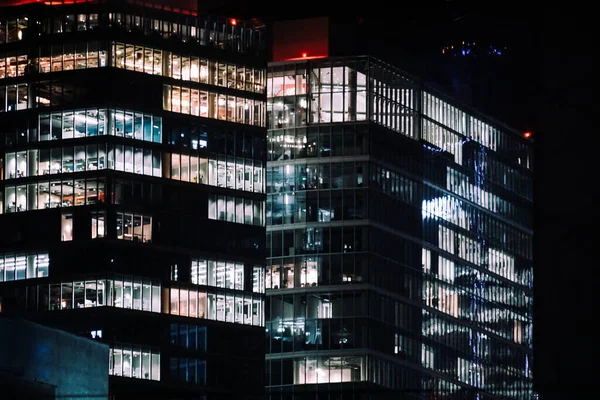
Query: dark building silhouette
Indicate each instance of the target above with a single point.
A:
(34, 363)
(132, 188)
(567, 218)
(485, 58)
(399, 223)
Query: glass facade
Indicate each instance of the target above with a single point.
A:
(399, 225)
(132, 138)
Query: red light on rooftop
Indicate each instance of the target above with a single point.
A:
(233, 21)
(527, 135)
(304, 55)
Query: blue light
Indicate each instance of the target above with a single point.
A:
(463, 52)
(437, 150)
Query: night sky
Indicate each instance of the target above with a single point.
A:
(548, 83)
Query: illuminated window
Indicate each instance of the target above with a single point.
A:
(66, 227)
(240, 308)
(23, 266)
(134, 227)
(134, 361)
(313, 370)
(98, 218)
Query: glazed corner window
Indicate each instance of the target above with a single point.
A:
(66, 227)
(134, 227)
(98, 218)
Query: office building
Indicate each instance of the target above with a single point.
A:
(400, 234)
(132, 188)
(34, 364)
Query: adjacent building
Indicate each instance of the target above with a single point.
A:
(34, 363)
(132, 188)
(399, 233)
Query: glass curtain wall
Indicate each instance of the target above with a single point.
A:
(471, 239)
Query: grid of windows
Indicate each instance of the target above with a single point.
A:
(70, 124)
(445, 191)
(440, 111)
(68, 159)
(52, 194)
(320, 253)
(338, 93)
(215, 32)
(187, 68)
(129, 292)
(67, 57)
(322, 142)
(241, 36)
(293, 195)
(234, 173)
(131, 163)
